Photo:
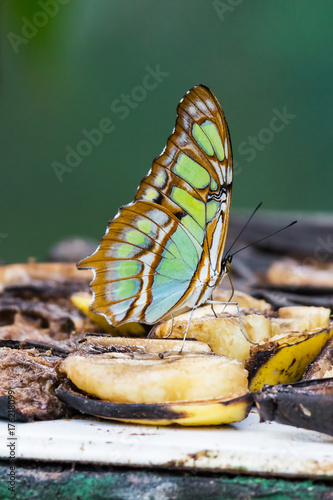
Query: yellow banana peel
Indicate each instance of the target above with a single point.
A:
(285, 360)
(190, 413)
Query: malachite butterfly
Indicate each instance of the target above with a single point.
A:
(164, 251)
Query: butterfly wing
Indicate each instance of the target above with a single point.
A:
(164, 250)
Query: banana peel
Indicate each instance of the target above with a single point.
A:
(284, 360)
(284, 357)
(307, 404)
(199, 413)
(322, 365)
(145, 384)
(83, 301)
(275, 348)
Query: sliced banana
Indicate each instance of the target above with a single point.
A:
(163, 347)
(279, 348)
(144, 378)
(147, 381)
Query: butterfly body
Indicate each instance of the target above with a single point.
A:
(164, 251)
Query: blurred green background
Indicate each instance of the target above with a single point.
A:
(66, 65)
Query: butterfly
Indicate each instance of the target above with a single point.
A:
(164, 251)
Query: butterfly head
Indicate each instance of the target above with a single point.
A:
(226, 264)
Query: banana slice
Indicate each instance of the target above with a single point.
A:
(222, 334)
(140, 345)
(301, 318)
(147, 378)
(140, 383)
(275, 348)
(293, 273)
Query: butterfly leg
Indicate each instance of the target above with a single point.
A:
(187, 328)
(168, 353)
(239, 316)
(212, 306)
(170, 332)
(232, 291)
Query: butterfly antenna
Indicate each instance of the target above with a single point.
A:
(265, 237)
(240, 234)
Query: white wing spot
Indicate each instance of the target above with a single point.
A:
(226, 150)
(191, 109)
(229, 175)
(158, 216)
(216, 239)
